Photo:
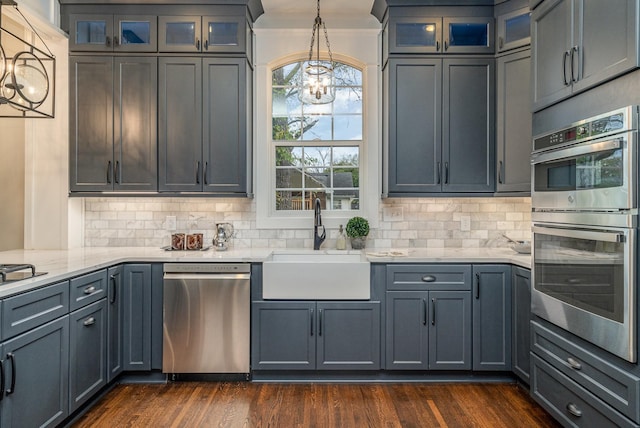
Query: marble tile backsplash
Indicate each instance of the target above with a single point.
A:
(403, 222)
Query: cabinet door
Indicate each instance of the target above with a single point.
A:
(407, 345)
(514, 29)
(348, 335)
(415, 133)
(551, 41)
(609, 45)
(36, 369)
(135, 141)
(137, 317)
(91, 33)
(492, 318)
(115, 315)
(521, 335)
(91, 124)
(283, 336)
(468, 140)
(415, 35)
(180, 33)
(87, 353)
(449, 330)
(468, 35)
(225, 133)
(135, 33)
(514, 119)
(224, 34)
(180, 124)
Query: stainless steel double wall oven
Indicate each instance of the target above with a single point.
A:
(585, 218)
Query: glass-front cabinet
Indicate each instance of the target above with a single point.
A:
(441, 35)
(113, 33)
(202, 34)
(514, 29)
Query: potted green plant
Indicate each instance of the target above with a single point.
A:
(357, 230)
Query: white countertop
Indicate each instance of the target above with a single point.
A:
(63, 264)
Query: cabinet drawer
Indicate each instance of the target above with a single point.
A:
(611, 384)
(567, 401)
(429, 277)
(29, 310)
(88, 289)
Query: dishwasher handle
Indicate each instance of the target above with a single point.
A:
(200, 276)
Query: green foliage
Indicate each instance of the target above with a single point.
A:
(357, 226)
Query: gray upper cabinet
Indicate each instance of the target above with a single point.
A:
(207, 34)
(203, 133)
(577, 44)
(468, 133)
(513, 29)
(441, 126)
(415, 130)
(513, 122)
(492, 318)
(113, 33)
(113, 124)
(435, 34)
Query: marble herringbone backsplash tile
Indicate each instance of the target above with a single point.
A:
(424, 222)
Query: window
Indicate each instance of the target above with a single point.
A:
(317, 148)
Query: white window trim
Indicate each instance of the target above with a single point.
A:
(266, 216)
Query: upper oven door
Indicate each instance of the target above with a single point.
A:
(595, 176)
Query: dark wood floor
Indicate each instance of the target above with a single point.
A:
(243, 404)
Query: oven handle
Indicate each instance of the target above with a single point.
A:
(617, 237)
(582, 149)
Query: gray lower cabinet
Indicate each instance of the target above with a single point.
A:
(579, 383)
(203, 125)
(440, 126)
(513, 122)
(113, 144)
(521, 317)
(115, 317)
(428, 330)
(36, 373)
(492, 318)
(136, 322)
(87, 353)
(303, 335)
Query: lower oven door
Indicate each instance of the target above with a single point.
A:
(584, 281)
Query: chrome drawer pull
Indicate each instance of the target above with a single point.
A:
(429, 278)
(574, 364)
(89, 321)
(573, 409)
(89, 290)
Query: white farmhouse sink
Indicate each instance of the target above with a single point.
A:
(316, 275)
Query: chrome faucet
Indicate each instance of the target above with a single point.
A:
(317, 223)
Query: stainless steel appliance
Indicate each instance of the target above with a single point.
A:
(206, 318)
(17, 272)
(584, 212)
(589, 165)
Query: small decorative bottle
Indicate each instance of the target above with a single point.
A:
(341, 242)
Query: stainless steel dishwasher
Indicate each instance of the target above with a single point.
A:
(206, 318)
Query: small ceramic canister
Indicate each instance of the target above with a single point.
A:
(194, 241)
(177, 241)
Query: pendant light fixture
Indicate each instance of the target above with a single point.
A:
(27, 74)
(318, 84)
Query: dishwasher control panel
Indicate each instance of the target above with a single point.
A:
(207, 268)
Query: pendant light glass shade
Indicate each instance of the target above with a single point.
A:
(27, 75)
(318, 83)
